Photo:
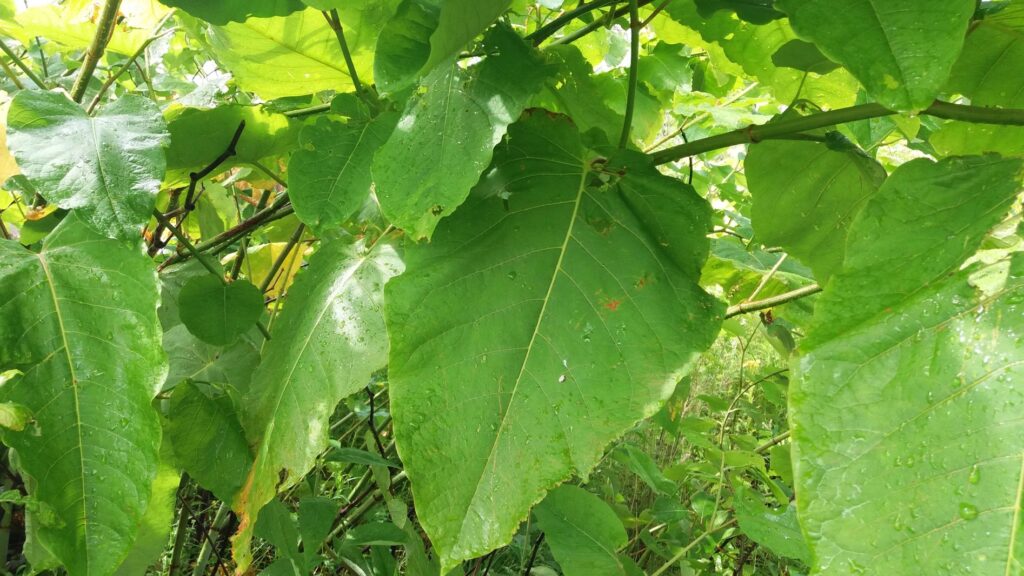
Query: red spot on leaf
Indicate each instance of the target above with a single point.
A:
(612, 304)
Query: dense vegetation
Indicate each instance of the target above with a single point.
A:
(501, 287)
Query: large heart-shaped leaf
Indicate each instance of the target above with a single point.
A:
(79, 320)
(805, 194)
(909, 454)
(546, 317)
(900, 50)
(446, 135)
(327, 342)
(108, 167)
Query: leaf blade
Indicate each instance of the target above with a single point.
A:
(516, 272)
(111, 176)
(901, 50)
(85, 333)
(327, 343)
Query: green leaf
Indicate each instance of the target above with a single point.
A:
(446, 135)
(753, 11)
(976, 188)
(988, 73)
(806, 194)
(576, 92)
(107, 167)
(218, 313)
(901, 50)
(316, 518)
(224, 11)
(14, 416)
(278, 527)
(459, 23)
(803, 56)
(288, 56)
(776, 531)
(752, 46)
(526, 337)
(330, 179)
(404, 45)
(208, 440)
(377, 534)
(190, 357)
(583, 533)
(644, 466)
(904, 409)
(357, 456)
(199, 136)
(666, 68)
(327, 342)
(79, 320)
(158, 520)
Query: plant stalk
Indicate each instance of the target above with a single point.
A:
(280, 260)
(335, 23)
(124, 67)
(21, 66)
(744, 307)
(220, 520)
(597, 23)
(634, 57)
(544, 32)
(104, 30)
(678, 556)
(785, 128)
(174, 567)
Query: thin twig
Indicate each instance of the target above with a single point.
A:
(274, 212)
(597, 23)
(373, 427)
(784, 128)
(193, 179)
(22, 66)
(678, 556)
(776, 440)
(656, 11)
(268, 281)
(744, 307)
(544, 32)
(11, 74)
(766, 277)
(113, 77)
(335, 23)
(104, 30)
(300, 112)
(634, 58)
(184, 243)
(533, 554)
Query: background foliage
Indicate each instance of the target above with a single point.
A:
(511, 287)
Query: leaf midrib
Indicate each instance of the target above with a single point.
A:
(74, 391)
(529, 347)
